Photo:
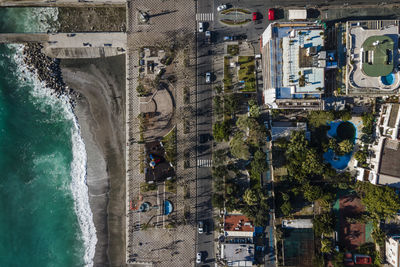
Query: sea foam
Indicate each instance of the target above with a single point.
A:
(44, 98)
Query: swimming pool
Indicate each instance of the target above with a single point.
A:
(388, 79)
(349, 130)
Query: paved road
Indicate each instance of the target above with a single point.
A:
(205, 241)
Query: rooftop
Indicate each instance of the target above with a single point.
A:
(298, 223)
(238, 254)
(389, 163)
(377, 55)
(239, 223)
(283, 129)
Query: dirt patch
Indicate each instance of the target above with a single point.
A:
(351, 235)
(93, 19)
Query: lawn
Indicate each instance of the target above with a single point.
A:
(169, 143)
(247, 74)
(233, 50)
(227, 75)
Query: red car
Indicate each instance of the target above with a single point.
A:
(271, 14)
(254, 16)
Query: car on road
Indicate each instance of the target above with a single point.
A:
(228, 38)
(255, 16)
(198, 257)
(201, 27)
(200, 227)
(208, 77)
(204, 138)
(208, 37)
(221, 7)
(271, 14)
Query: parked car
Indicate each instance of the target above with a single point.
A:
(221, 7)
(198, 257)
(204, 138)
(228, 38)
(201, 227)
(255, 16)
(271, 14)
(201, 27)
(208, 77)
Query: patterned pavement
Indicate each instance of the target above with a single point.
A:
(170, 20)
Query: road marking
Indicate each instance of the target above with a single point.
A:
(205, 16)
(204, 163)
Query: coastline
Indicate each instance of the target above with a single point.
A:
(100, 113)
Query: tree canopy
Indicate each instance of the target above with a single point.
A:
(221, 131)
(239, 147)
(381, 202)
(319, 118)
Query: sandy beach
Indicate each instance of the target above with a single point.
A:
(100, 112)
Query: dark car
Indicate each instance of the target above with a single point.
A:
(240, 37)
(204, 138)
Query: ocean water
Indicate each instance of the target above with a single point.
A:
(45, 215)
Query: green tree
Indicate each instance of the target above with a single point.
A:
(312, 192)
(326, 246)
(345, 146)
(361, 156)
(230, 104)
(311, 163)
(251, 197)
(141, 90)
(319, 118)
(333, 144)
(286, 208)
(381, 202)
(255, 110)
(239, 147)
(218, 108)
(323, 224)
(259, 163)
(217, 200)
(221, 131)
(368, 123)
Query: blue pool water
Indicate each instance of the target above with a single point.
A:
(388, 79)
(338, 162)
(168, 208)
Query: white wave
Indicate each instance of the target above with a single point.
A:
(39, 19)
(44, 98)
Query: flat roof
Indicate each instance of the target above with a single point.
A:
(285, 129)
(298, 223)
(389, 163)
(377, 57)
(238, 223)
(238, 254)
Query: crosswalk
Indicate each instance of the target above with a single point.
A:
(205, 16)
(203, 163)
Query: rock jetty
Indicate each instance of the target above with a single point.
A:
(48, 70)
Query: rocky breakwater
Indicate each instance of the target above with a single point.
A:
(48, 71)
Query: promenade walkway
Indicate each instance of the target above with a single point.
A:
(159, 246)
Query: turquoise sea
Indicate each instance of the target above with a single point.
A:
(45, 216)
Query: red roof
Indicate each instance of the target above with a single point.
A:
(238, 223)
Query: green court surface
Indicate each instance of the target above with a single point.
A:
(378, 56)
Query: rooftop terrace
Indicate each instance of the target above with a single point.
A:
(377, 55)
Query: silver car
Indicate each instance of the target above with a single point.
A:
(208, 77)
(198, 257)
(221, 7)
(201, 29)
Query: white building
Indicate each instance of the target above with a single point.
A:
(293, 65)
(392, 251)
